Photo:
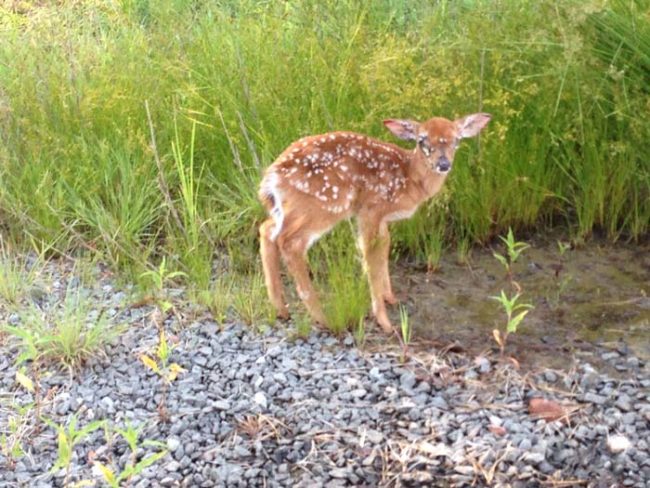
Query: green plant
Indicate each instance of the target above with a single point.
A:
(18, 422)
(346, 296)
(303, 324)
(406, 331)
(197, 250)
(16, 277)
(134, 467)
(249, 300)
(79, 167)
(69, 334)
(463, 251)
(158, 279)
(218, 297)
(513, 251)
(67, 438)
(561, 281)
(360, 333)
(563, 247)
(515, 313)
(166, 372)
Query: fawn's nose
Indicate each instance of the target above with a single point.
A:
(443, 165)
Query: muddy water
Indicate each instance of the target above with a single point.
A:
(599, 294)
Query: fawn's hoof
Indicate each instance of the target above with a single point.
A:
(283, 314)
(391, 299)
(386, 326)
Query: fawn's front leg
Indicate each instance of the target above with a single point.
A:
(374, 241)
(383, 241)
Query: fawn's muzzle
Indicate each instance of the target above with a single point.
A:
(443, 165)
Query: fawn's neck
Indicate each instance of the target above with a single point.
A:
(421, 176)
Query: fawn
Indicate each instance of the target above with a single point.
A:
(320, 180)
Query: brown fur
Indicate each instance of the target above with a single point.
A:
(320, 180)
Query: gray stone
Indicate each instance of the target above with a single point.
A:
(439, 402)
(550, 376)
(221, 405)
(407, 380)
(594, 398)
(610, 356)
(534, 457)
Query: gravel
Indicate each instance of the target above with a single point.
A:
(272, 409)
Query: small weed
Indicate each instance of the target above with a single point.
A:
(433, 249)
(563, 247)
(406, 331)
(249, 300)
(405, 326)
(168, 372)
(360, 333)
(165, 371)
(218, 298)
(16, 277)
(464, 251)
(157, 280)
(561, 280)
(511, 307)
(67, 438)
(132, 437)
(303, 324)
(513, 251)
(346, 297)
(69, 334)
(17, 430)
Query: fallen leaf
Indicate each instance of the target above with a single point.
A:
(497, 337)
(497, 430)
(546, 409)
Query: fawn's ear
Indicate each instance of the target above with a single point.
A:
(471, 125)
(404, 129)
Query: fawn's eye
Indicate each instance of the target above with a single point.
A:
(423, 142)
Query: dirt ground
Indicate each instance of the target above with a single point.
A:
(595, 295)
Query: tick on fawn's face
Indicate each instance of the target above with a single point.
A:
(319, 181)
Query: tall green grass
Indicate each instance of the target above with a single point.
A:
(230, 84)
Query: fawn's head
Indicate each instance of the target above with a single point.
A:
(438, 138)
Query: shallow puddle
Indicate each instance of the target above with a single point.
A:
(599, 294)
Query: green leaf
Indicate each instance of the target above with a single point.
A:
(165, 306)
(515, 321)
(150, 363)
(24, 381)
(89, 428)
(501, 259)
(64, 448)
(107, 473)
(163, 348)
(144, 463)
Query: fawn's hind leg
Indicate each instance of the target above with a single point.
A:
(294, 252)
(271, 265)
